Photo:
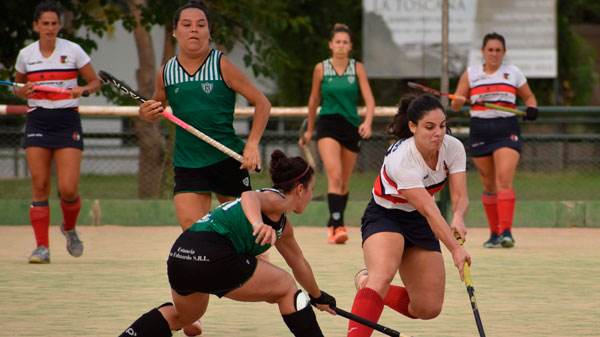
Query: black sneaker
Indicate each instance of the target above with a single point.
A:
(493, 241)
(506, 239)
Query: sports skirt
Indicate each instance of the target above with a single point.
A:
(490, 134)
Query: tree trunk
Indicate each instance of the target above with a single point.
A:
(150, 141)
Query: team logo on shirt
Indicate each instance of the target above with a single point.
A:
(63, 59)
(351, 79)
(207, 87)
(76, 136)
(506, 75)
(514, 138)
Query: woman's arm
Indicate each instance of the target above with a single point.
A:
(313, 103)
(26, 90)
(462, 92)
(365, 128)
(460, 202)
(527, 95)
(254, 204)
(290, 250)
(423, 202)
(150, 110)
(237, 81)
(91, 80)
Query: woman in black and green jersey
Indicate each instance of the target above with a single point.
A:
(335, 86)
(200, 84)
(216, 256)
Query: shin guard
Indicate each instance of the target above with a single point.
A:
(39, 215)
(490, 205)
(336, 210)
(506, 209)
(367, 304)
(150, 324)
(303, 323)
(397, 299)
(70, 211)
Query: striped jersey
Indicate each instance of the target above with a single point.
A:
(404, 168)
(499, 88)
(59, 71)
(204, 101)
(230, 221)
(339, 93)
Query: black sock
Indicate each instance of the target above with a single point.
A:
(336, 210)
(303, 323)
(150, 324)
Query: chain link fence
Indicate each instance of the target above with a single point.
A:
(560, 158)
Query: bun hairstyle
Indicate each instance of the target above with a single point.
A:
(198, 4)
(493, 36)
(287, 173)
(340, 27)
(47, 6)
(412, 108)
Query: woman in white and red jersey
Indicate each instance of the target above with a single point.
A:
(495, 136)
(53, 128)
(402, 225)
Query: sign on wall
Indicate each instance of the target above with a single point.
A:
(402, 38)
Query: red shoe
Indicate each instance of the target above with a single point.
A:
(193, 329)
(330, 235)
(341, 235)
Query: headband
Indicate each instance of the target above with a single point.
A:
(298, 177)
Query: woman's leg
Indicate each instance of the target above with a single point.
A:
(190, 207)
(383, 254)
(68, 164)
(487, 173)
(423, 274)
(506, 161)
(39, 161)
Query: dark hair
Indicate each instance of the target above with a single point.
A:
(412, 108)
(287, 173)
(493, 36)
(198, 4)
(340, 27)
(47, 6)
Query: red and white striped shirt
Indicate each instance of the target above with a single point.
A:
(499, 88)
(59, 71)
(405, 168)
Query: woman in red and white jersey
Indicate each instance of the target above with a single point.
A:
(402, 225)
(495, 136)
(53, 128)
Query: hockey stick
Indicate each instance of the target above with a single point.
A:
(366, 322)
(471, 291)
(306, 148)
(45, 89)
(468, 101)
(108, 78)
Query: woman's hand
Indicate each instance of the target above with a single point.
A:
(25, 91)
(251, 158)
(324, 302)
(364, 130)
(264, 233)
(151, 110)
(78, 91)
(305, 140)
(460, 256)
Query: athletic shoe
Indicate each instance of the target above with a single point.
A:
(74, 245)
(493, 241)
(40, 255)
(341, 235)
(506, 239)
(193, 329)
(330, 235)
(360, 275)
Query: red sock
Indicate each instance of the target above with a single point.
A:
(40, 221)
(367, 304)
(490, 205)
(70, 211)
(506, 209)
(397, 299)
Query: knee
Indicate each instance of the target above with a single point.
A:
(427, 312)
(287, 292)
(380, 283)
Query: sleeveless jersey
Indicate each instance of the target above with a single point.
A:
(204, 101)
(230, 221)
(404, 168)
(499, 88)
(59, 71)
(339, 93)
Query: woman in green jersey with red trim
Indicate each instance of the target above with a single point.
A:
(217, 256)
(335, 86)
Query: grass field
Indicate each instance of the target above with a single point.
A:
(546, 286)
(537, 186)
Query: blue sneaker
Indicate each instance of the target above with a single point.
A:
(493, 241)
(506, 239)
